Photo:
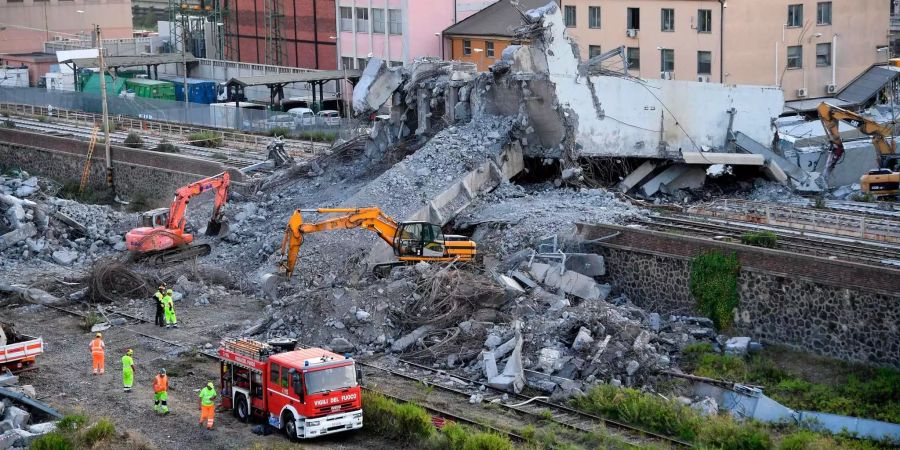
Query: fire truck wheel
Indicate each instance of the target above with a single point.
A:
(240, 408)
(290, 426)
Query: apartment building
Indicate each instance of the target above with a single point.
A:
(26, 24)
(397, 31)
(482, 37)
(808, 47)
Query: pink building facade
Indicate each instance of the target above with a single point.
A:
(26, 24)
(397, 31)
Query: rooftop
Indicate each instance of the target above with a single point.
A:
(132, 61)
(287, 78)
(499, 19)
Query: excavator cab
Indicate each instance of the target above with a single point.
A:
(155, 218)
(419, 239)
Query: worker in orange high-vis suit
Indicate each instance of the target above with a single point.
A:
(98, 354)
(208, 405)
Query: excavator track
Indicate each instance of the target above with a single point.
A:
(173, 255)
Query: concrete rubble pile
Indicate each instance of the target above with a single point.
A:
(21, 423)
(54, 230)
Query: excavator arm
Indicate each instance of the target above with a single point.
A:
(183, 196)
(369, 218)
(831, 117)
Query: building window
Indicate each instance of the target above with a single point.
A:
(823, 55)
(346, 62)
(570, 16)
(467, 47)
(795, 16)
(395, 17)
(704, 21)
(667, 19)
(594, 50)
(377, 20)
(634, 18)
(795, 57)
(704, 63)
(489, 49)
(823, 13)
(667, 59)
(346, 18)
(362, 20)
(361, 63)
(634, 57)
(593, 16)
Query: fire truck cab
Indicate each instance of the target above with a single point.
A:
(306, 393)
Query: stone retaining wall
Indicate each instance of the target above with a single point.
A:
(138, 173)
(833, 308)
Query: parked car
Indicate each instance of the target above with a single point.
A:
(281, 121)
(329, 117)
(303, 116)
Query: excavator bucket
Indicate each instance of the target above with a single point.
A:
(216, 228)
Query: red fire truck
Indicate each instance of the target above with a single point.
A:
(307, 393)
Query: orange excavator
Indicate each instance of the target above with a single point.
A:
(883, 181)
(411, 241)
(161, 236)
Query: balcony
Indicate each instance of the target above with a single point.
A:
(895, 22)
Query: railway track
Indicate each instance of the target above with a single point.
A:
(519, 410)
(815, 244)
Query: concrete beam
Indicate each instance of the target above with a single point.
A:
(732, 159)
(637, 176)
(674, 178)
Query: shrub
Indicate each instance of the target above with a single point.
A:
(52, 441)
(820, 203)
(456, 435)
(863, 197)
(766, 239)
(722, 432)
(103, 429)
(133, 140)
(9, 123)
(403, 422)
(632, 406)
(280, 131)
(208, 139)
(165, 147)
(43, 119)
(714, 286)
(487, 441)
(318, 136)
(727, 367)
(72, 422)
(91, 319)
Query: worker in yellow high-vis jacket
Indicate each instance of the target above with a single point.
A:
(208, 405)
(128, 370)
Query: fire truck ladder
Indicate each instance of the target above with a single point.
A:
(85, 174)
(249, 348)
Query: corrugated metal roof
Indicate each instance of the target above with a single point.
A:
(868, 84)
(499, 19)
(132, 61)
(305, 77)
(810, 104)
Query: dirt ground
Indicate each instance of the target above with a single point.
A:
(63, 377)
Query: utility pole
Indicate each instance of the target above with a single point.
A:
(184, 83)
(109, 170)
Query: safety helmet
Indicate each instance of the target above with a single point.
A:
(99, 335)
(211, 385)
(162, 286)
(162, 371)
(129, 352)
(169, 292)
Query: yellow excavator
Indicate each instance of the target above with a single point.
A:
(883, 181)
(412, 241)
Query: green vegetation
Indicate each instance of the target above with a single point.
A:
(866, 392)
(765, 239)
(91, 319)
(165, 147)
(7, 123)
(208, 139)
(43, 119)
(411, 424)
(134, 140)
(820, 203)
(318, 136)
(279, 131)
(714, 286)
(634, 407)
(69, 191)
(73, 434)
(723, 432)
(863, 197)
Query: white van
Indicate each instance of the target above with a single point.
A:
(329, 117)
(303, 116)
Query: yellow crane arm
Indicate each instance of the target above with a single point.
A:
(368, 218)
(831, 116)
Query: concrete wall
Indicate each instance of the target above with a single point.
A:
(833, 308)
(29, 23)
(755, 39)
(137, 172)
(618, 116)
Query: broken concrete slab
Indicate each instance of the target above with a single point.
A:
(737, 346)
(539, 271)
(582, 340)
(513, 376)
(637, 176)
(582, 286)
(731, 159)
(588, 264)
(548, 360)
(18, 416)
(510, 285)
(13, 237)
(65, 257)
(404, 342)
(376, 85)
(680, 176)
